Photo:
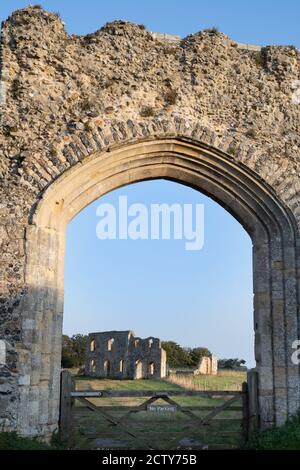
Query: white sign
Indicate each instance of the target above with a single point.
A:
(162, 408)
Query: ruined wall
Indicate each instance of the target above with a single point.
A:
(65, 98)
(208, 366)
(147, 351)
(122, 355)
(99, 353)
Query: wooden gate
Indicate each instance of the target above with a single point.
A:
(170, 419)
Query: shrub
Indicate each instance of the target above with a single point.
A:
(16, 88)
(170, 50)
(250, 133)
(171, 97)
(57, 442)
(147, 111)
(85, 104)
(232, 151)
(11, 441)
(259, 59)
(88, 126)
(286, 437)
(53, 152)
(213, 30)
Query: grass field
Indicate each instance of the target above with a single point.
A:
(157, 430)
(89, 383)
(225, 380)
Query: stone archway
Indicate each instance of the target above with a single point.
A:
(239, 146)
(268, 222)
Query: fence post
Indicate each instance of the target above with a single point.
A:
(245, 400)
(252, 379)
(66, 403)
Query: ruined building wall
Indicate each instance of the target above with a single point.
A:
(104, 353)
(122, 355)
(207, 365)
(146, 352)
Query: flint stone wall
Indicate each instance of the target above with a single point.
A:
(66, 97)
(142, 358)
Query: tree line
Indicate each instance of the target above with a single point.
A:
(74, 353)
(177, 356)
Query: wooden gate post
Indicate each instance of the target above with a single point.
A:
(245, 400)
(252, 379)
(66, 403)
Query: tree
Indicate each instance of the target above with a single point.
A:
(197, 353)
(67, 358)
(231, 363)
(176, 355)
(73, 350)
(79, 347)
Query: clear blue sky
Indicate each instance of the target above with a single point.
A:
(156, 287)
(249, 21)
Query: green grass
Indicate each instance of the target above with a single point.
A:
(225, 380)
(286, 437)
(90, 383)
(11, 441)
(215, 382)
